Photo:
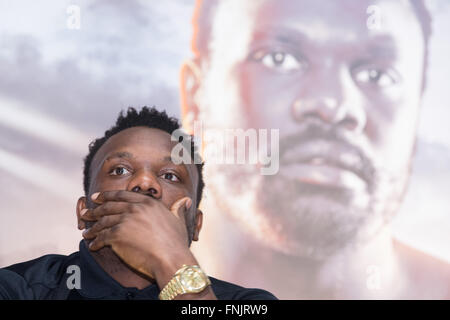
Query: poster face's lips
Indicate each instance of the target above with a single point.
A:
(324, 175)
(324, 163)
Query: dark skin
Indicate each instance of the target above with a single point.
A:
(140, 204)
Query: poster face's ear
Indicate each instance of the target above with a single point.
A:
(190, 79)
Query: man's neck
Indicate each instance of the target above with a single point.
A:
(368, 270)
(118, 270)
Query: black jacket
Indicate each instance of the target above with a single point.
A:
(46, 278)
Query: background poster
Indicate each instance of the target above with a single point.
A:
(68, 67)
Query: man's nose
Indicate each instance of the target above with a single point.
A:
(147, 183)
(332, 97)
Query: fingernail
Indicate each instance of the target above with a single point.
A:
(82, 213)
(188, 204)
(95, 196)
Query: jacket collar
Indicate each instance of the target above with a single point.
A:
(97, 284)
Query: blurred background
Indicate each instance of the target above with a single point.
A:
(62, 86)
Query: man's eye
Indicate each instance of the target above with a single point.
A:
(119, 171)
(170, 176)
(279, 61)
(376, 77)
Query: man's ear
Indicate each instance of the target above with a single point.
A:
(198, 224)
(190, 79)
(81, 204)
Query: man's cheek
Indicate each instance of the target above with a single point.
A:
(393, 141)
(382, 116)
(110, 184)
(170, 196)
(267, 100)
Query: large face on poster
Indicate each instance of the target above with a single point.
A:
(342, 82)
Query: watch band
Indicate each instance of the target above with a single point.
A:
(174, 287)
(171, 290)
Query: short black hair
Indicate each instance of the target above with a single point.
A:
(146, 117)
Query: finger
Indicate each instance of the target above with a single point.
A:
(103, 239)
(81, 225)
(118, 195)
(104, 223)
(86, 215)
(180, 207)
(106, 209)
(82, 218)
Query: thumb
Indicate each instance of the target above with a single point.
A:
(181, 206)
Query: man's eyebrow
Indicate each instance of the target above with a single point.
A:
(382, 45)
(381, 48)
(120, 155)
(168, 159)
(282, 35)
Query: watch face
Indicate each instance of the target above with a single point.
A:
(192, 279)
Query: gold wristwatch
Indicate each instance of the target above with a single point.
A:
(188, 279)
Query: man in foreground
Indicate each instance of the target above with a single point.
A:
(140, 214)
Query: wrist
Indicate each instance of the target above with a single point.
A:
(167, 267)
(190, 282)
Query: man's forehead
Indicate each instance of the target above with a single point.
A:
(151, 141)
(125, 141)
(326, 20)
(137, 134)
